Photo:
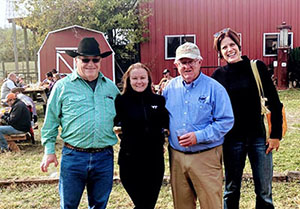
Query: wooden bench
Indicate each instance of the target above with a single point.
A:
(11, 140)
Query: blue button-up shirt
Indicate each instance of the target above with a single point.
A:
(85, 116)
(202, 107)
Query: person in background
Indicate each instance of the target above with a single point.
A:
(48, 83)
(83, 105)
(247, 136)
(8, 85)
(200, 115)
(20, 81)
(143, 117)
(18, 120)
(164, 81)
(27, 101)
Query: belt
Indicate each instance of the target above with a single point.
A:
(196, 152)
(90, 150)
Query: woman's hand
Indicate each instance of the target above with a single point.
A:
(273, 144)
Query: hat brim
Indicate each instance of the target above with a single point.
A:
(73, 54)
(190, 56)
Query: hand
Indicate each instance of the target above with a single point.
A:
(117, 130)
(188, 139)
(47, 159)
(273, 144)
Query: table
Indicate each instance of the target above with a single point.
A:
(34, 93)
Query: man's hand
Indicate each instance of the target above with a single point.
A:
(273, 144)
(188, 139)
(47, 159)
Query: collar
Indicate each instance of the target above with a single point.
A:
(75, 76)
(194, 83)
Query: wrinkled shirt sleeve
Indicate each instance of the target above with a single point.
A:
(49, 130)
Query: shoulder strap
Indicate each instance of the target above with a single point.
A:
(257, 77)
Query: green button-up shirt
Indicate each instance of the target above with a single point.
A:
(85, 116)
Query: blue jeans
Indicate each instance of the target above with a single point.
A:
(80, 169)
(7, 130)
(235, 153)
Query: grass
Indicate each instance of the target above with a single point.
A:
(25, 165)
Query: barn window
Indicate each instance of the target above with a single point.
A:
(271, 41)
(173, 41)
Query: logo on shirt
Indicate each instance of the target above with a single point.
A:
(154, 106)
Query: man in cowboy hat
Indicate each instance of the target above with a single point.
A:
(83, 105)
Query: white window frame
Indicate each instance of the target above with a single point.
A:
(278, 34)
(175, 36)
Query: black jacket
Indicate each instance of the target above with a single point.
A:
(19, 116)
(239, 81)
(143, 117)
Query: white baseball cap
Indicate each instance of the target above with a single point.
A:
(188, 50)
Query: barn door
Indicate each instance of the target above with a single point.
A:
(64, 62)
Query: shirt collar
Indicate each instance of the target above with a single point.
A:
(194, 83)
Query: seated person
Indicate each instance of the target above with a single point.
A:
(18, 120)
(8, 85)
(48, 82)
(27, 100)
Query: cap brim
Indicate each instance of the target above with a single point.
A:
(190, 56)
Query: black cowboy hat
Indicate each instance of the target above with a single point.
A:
(88, 47)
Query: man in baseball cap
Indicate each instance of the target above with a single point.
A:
(18, 119)
(200, 115)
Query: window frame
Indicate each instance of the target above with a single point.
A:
(176, 36)
(278, 36)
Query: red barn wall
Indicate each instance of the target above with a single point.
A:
(71, 38)
(205, 17)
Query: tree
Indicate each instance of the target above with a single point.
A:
(122, 21)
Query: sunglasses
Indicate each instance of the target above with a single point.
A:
(86, 60)
(217, 34)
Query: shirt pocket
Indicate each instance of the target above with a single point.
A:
(109, 105)
(76, 104)
(201, 111)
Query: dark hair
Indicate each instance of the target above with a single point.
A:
(54, 71)
(226, 32)
(49, 74)
(126, 76)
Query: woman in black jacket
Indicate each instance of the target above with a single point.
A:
(248, 135)
(143, 117)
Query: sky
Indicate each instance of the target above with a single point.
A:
(3, 21)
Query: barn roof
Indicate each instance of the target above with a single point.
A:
(70, 27)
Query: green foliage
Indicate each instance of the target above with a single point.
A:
(123, 21)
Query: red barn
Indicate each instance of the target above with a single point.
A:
(52, 52)
(176, 21)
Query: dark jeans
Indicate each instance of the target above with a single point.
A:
(80, 169)
(142, 178)
(262, 169)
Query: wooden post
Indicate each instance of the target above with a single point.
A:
(26, 49)
(3, 69)
(35, 57)
(15, 46)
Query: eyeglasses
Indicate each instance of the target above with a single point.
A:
(217, 34)
(86, 60)
(190, 63)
